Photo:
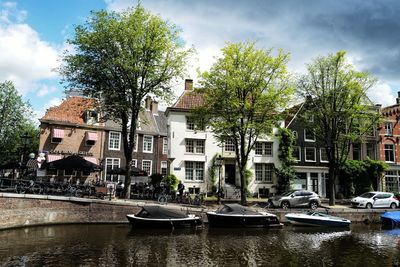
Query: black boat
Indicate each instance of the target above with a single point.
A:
(235, 215)
(160, 217)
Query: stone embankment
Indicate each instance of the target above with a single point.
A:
(20, 210)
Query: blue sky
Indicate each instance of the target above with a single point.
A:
(33, 35)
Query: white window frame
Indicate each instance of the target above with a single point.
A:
(165, 145)
(164, 165)
(229, 146)
(198, 146)
(320, 155)
(305, 136)
(114, 165)
(134, 163)
(388, 128)
(305, 154)
(151, 144)
(265, 168)
(135, 149)
(151, 165)
(112, 141)
(190, 126)
(299, 149)
(194, 171)
(393, 152)
(264, 149)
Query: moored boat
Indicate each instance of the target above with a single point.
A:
(160, 217)
(317, 219)
(391, 219)
(235, 215)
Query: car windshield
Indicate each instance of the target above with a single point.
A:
(367, 195)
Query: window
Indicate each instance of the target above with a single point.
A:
(309, 135)
(388, 128)
(389, 152)
(264, 148)
(189, 124)
(195, 146)
(163, 170)
(371, 151)
(147, 144)
(264, 172)
(134, 163)
(146, 166)
(194, 170)
(135, 145)
(296, 153)
(310, 154)
(57, 135)
(114, 140)
(392, 181)
(229, 146)
(323, 155)
(356, 151)
(165, 145)
(112, 163)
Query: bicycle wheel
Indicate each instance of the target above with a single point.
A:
(162, 199)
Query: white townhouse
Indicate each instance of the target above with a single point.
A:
(191, 153)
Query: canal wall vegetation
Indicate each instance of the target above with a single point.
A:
(21, 210)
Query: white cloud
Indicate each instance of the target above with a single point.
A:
(24, 59)
(45, 90)
(381, 93)
(40, 113)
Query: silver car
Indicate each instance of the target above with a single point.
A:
(297, 198)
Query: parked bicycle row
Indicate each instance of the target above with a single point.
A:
(49, 188)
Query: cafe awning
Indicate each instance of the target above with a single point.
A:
(52, 157)
(73, 162)
(91, 136)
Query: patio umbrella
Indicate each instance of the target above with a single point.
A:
(73, 162)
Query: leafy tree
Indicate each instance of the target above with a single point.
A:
(170, 182)
(242, 93)
(120, 58)
(341, 112)
(14, 122)
(285, 173)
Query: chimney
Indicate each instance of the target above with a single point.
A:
(154, 107)
(147, 103)
(398, 97)
(188, 85)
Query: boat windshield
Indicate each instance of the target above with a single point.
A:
(367, 195)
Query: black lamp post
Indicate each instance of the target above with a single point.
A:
(218, 163)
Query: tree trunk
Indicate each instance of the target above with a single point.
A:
(331, 184)
(127, 187)
(243, 198)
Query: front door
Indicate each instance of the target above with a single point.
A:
(230, 174)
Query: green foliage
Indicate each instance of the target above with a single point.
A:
(212, 172)
(15, 117)
(120, 58)
(358, 177)
(243, 91)
(285, 173)
(336, 98)
(171, 181)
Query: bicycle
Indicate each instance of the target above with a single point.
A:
(163, 197)
(236, 193)
(198, 199)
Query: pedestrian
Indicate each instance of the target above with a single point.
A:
(181, 188)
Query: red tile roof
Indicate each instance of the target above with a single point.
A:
(71, 110)
(189, 100)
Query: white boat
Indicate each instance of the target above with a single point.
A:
(317, 219)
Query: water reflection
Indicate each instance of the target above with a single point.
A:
(119, 245)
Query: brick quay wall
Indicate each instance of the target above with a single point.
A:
(19, 210)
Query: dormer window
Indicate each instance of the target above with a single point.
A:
(91, 138)
(57, 135)
(91, 117)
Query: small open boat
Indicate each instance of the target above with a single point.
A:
(391, 219)
(160, 217)
(235, 215)
(313, 218)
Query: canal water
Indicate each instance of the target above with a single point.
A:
(119, 245)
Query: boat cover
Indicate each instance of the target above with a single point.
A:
(158, 212)
(236, 209)
(392, 215)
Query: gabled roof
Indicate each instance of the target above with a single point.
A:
(71, 110)
(189, 100)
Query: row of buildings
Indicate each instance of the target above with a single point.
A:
(168, 143)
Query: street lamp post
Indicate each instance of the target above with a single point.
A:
(25, 142)
(218, 163)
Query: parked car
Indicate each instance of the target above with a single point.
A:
(297, 198)
(371, 200)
